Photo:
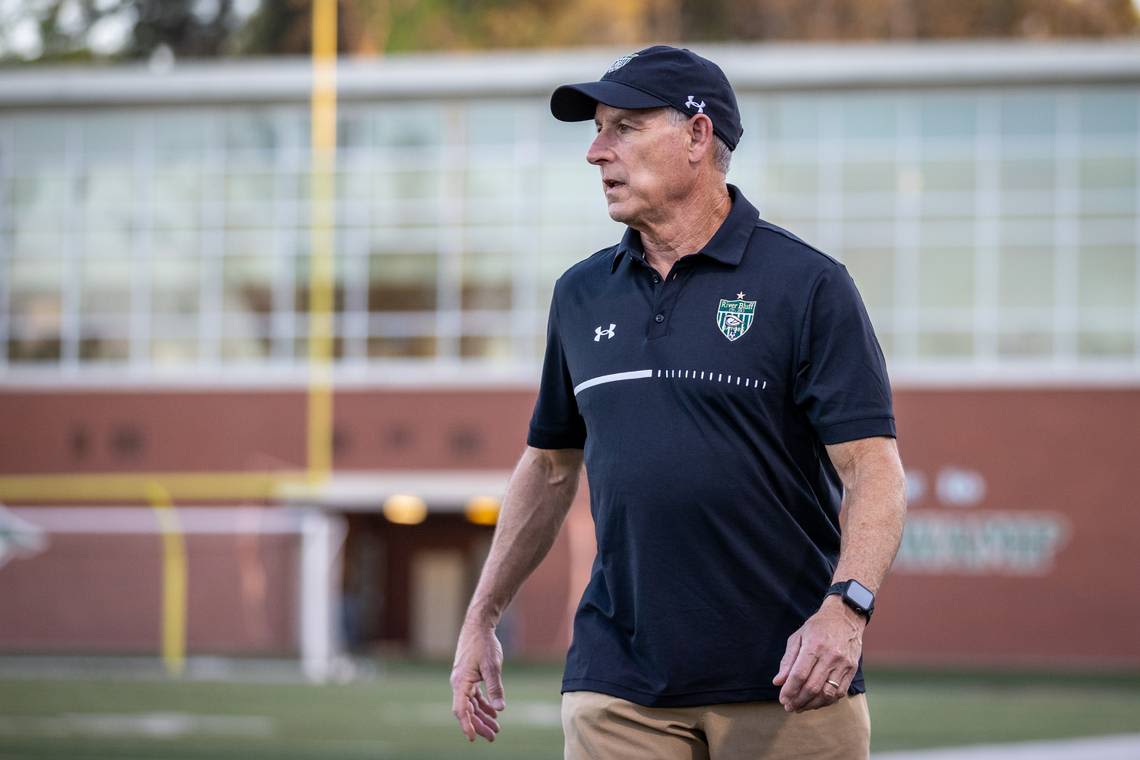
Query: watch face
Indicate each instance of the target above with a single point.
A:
(859, 594)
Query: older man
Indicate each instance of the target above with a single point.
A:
(724, 384)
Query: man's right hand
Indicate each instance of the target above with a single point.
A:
(478, 660)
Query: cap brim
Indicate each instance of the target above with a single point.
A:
(577, 102)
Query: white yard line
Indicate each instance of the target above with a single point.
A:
(162, 725)
(1122, 747)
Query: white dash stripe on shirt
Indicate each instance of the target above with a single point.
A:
(636, 374)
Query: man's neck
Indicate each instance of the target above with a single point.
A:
(686, 231)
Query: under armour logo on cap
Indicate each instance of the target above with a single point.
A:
(690, 103)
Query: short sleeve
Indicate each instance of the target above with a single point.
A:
(841, 379)
(556, 422)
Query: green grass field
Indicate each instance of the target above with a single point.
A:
(405, 714)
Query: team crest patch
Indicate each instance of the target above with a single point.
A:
(734, 317)
(620, 62)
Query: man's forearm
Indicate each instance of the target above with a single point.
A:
(874, 514)
(534, 507)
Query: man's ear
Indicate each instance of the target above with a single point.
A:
(701, 137)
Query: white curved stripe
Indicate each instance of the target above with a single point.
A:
(636, 374)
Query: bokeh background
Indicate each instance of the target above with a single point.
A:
(273, 292)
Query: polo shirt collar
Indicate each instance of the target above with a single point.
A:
(726, 246)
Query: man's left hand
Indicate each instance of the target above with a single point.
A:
(825, 648)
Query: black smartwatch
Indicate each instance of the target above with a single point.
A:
(856, 596)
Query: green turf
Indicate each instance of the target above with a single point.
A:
(405, 714)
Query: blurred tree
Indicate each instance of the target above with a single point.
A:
(133, 29)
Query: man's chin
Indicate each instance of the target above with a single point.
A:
(618, 212)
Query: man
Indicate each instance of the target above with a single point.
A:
(725, 387)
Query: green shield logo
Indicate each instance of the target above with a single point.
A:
(734, 317)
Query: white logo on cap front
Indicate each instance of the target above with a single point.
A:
(690, 103)
(620, 62)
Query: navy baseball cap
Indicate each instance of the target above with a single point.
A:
(652, 78)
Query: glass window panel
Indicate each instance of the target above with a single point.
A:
(106, 243)
(38, 242)
(1106, 230)
(1025, 277)
(178, 188)
(109, 135)
(39, 141)
(166, 352)
(792, 118)
(244, 348)
(23, 347)
(249, 186)
(353, 185)
(35, 274)
(354, 130)
(45, 193)
(175, 284)
(487, 183)
(106, 192)
(113, 346)
(578, 184)
(1037, 174)
(399, 184)
(256, 242)
(487, 281)
(251, 131)
(946, 278)
(563, 139)
(873, 270)
(301, 347)
(180, 134)
(405, 347)
(105, 285)
(1109, 112)
(1028, 114)
(792, 178)
(1025, 343)
(493, 122)
(948, 116)
(870, 177)
(937, 344)
(248, 283)
(1118, 343)
(410, 127)
(948, 176)
(1107, 173)
(36, 308)
(870, 117)
(402, 281)
(485, 346)
(1107, 278)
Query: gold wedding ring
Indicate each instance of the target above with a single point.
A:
(833, 683)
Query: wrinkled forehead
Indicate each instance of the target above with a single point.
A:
(604, 113)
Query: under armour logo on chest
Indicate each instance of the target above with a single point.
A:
(690, 103)
(599, 332)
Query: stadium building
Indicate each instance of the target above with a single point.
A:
(154, 315)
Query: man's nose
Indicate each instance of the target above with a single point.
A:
(599, 151)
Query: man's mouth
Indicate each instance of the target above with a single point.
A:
(610, 184)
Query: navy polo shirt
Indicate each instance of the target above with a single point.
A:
(703, 402)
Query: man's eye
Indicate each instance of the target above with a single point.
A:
(623, 128)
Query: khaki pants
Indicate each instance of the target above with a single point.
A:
(601, 727)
